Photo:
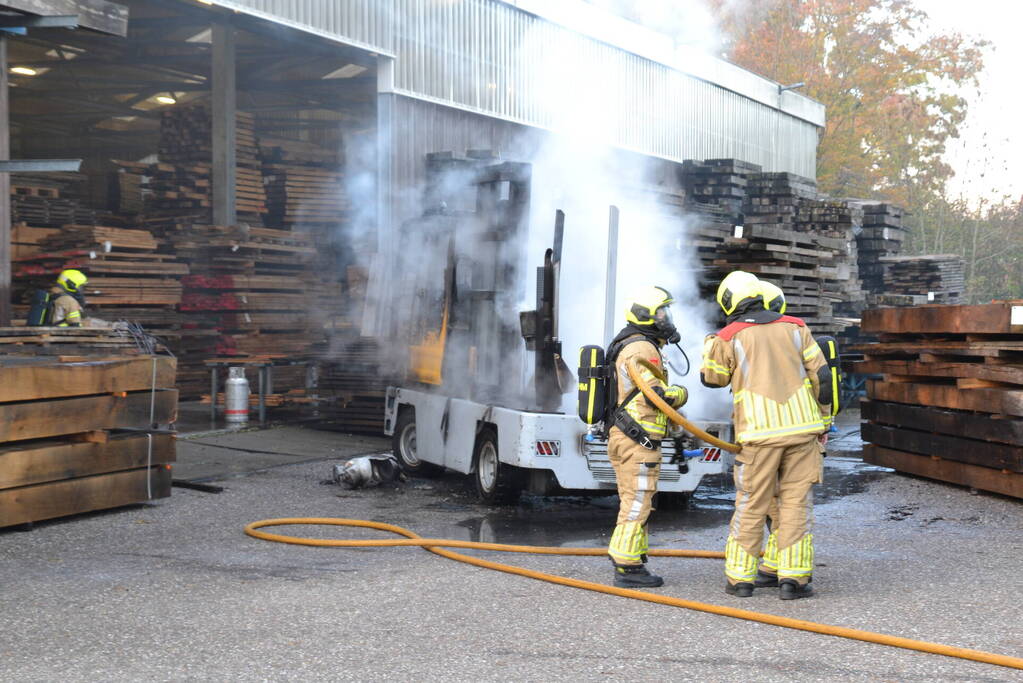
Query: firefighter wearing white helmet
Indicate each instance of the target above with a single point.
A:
(634, 442)
(775, 370)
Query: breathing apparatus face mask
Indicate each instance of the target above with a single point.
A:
(665, 326)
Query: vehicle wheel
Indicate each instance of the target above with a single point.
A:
(496, 483)
(672, 501)
(403, 445)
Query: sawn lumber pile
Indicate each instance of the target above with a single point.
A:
(77, 436)
(913, 280)
(950, 404)
(304, 185)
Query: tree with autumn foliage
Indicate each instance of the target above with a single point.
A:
(894, 93)
(892, 90)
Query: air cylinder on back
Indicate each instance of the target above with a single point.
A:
(236, 396)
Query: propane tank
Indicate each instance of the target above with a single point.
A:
(236, 396)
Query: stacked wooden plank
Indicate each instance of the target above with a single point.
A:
(354, 375)
(64, 448)
(950, 404)
(248, 294)
(124, 268)
(914, 280)
(882, 235)
(720, 182)
(65, 341)
(182, 181)
(304, 185)
(798, 242)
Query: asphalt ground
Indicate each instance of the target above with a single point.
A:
(175, 591)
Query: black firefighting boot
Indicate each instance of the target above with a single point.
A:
(765, 579)
(789, 589)
(739, 590)
(630, 576)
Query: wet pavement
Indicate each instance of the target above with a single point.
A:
(175, 591)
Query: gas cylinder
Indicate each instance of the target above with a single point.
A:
(236, 396)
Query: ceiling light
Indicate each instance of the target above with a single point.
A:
(166, 99)
(23, 71)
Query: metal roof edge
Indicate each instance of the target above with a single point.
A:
(606, 27)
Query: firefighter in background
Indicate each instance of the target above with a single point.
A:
(776, 371)
(634, 442)
(62, 304)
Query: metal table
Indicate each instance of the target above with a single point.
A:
(264, 371)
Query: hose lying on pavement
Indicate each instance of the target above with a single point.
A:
(436, 545)
(634, 374)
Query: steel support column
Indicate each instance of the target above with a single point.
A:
(5, 191)
(224, 142)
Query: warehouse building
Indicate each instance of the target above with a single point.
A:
(309, 116)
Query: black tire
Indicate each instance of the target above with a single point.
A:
(403, 445)
(495, 482)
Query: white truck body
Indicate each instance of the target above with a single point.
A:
(557, 443)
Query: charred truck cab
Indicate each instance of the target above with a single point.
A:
(486, 381)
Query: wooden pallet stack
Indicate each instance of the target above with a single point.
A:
(882, 235)
(248, 294)
(720, 182)
(796, 241)
(39, 202)
(78, 436)
(128, 278)
(181, 182)
(304, 185)
(950, 403)
(915, 280)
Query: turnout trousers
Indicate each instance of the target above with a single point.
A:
(636, 470)
(763, 473)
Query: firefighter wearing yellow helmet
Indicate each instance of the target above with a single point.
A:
(776, 372)
(634, 442)
(774, 298)
(64, 301)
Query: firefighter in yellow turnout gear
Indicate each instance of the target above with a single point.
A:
(67, 299)
(634, 441)
(775, 370)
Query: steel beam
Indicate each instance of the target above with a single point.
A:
(98, 15)
(224, 98)
(38, 166)
(29, 21)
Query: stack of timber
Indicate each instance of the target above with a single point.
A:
(882, 235)
(950, 404)
(181, 182)
(49, 202)
(354, 374)
(80, 436)
(248, 294)
(127, 274)
(304, 185)
(720, 182)
(67, 341)
(915, 280)
(798, 242)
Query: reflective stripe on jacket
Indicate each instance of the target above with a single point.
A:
(650, 418)
(772, 369)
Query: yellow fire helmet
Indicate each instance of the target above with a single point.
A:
(737, 286)
(774, 298)
(643, 309)
(71, 279)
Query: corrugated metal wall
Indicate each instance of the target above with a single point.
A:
(491, 58)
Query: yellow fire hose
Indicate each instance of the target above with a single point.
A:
(662, 405)
(436, 545)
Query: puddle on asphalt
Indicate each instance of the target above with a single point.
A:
(579, 521)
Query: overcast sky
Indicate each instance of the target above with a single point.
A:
(989, 156)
